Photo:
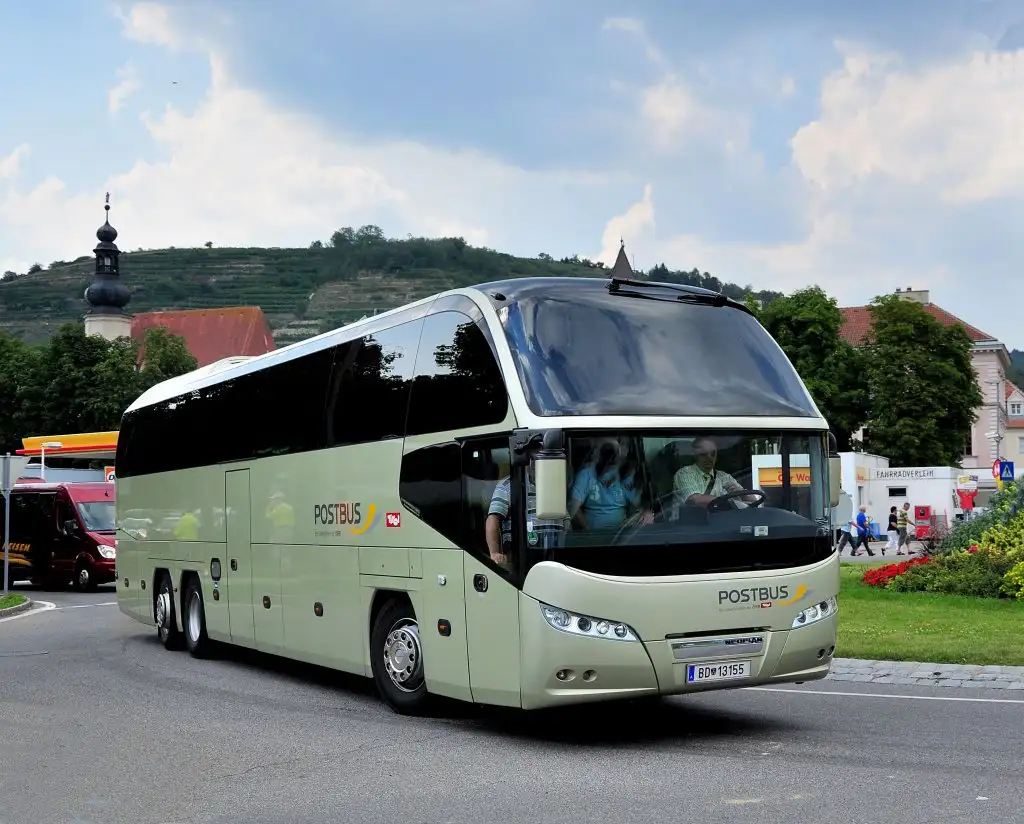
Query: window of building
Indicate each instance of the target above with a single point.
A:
(897, 492)
(458, 381)
(1016, 408)
(1020, 443)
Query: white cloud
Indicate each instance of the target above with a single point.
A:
(240, 170)
(953, 129)
(128, 83)
(672, 114)
(634, 226)
(11, 165)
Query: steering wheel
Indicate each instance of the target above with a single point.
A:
(719, 503)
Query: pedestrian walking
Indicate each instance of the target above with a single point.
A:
(863, 526)
(846, 540)
(904, 525)
(892, 531)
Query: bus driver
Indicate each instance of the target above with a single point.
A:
(699, 483)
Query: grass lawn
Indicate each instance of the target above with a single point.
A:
(11, 599)
(915, 626)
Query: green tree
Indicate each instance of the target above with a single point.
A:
(925, 392)
(807, 326)
(18, 391)
(161, 356)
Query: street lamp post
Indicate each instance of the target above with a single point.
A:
(42, 456)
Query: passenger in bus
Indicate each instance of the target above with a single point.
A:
(604, 490)
(498, 526)
(699, 483)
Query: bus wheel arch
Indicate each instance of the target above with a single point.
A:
(396, 653)
(165, 612)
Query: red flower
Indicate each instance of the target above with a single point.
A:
(880, 576)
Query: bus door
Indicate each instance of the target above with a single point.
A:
(237, 504)
(492, 612)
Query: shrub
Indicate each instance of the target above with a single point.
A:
(979, 573)
(1013, 581)
(1003, 506)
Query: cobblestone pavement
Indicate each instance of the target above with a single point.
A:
(915, 673)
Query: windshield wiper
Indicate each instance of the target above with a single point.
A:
(703, 296)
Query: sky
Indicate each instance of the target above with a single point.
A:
(861, 147)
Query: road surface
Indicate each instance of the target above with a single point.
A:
(101, 724)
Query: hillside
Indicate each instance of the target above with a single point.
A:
(302, 291)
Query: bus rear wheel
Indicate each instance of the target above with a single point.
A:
(163, 611)
(197, 640)
(396, 657)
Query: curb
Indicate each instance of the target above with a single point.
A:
(10, 612)
(923, 674)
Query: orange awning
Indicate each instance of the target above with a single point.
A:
(98, 445)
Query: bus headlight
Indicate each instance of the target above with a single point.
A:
(107, 551)
(816, 613)
(587, 625)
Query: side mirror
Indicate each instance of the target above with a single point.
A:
(550, 476)
(835, 479)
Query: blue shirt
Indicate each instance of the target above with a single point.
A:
(862, 523)
(604, 501)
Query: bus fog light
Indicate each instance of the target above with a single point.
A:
(817, 612)
(587, 625)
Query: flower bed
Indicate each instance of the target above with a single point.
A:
(983, 557)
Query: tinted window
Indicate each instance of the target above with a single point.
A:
(370, 383)
(274, 411)
(458, 381)
(590, 352)
(451, 487)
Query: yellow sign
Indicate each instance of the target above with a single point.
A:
(772, 476)
(862, 473)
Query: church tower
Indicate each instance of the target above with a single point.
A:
(107, 296)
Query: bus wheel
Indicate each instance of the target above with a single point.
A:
(196, 639)
(166, 624)
(397, 658)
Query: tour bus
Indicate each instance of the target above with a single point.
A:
(529, 493)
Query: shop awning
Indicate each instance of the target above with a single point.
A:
(92, 445)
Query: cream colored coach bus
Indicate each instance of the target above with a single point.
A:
(529, 493)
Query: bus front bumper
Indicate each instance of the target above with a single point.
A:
(560, 668)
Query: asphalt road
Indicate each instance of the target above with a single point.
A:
(98, 723)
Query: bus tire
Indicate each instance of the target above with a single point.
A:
(164, 614)
(396, 658)
(194, 619)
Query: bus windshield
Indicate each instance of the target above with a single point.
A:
(581, 350)
(98, 516)
(689, 502)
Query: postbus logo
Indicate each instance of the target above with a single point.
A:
(760, 597)
(357, 517)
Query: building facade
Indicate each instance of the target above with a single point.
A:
(990, 358)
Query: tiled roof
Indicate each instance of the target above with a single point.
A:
(212, 334)
(1010, 387)
(1015, 423)
(857, 323)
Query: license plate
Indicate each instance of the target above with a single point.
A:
(702, 673)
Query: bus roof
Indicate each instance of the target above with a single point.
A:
(498, 293)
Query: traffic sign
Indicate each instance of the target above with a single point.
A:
(1006, 471)
(995, 468)
(11, 467)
